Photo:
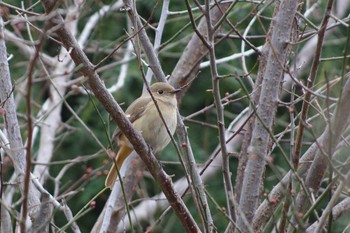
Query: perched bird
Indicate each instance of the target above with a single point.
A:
(145, 118)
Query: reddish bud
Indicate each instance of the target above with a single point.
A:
(4, 11)
(149, 229)
(269, 160)
(291, 109)
(111, 154)
(2, 111)
(20, 26)
(309, 126)
(300, 215)
(85, 176)
(253, 155)
(99, 173)
(89, 170)
(93, 204)
(273, 201)
(105, 162)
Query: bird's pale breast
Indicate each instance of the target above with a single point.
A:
(152, 127)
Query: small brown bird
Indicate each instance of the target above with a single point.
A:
(145, 118)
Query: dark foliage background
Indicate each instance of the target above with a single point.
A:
(84, 179)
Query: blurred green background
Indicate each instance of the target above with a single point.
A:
(85, 179)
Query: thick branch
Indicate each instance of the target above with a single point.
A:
(212, 166)
(153, 60)
(188, 64)
(259, 145)
(332, 136)
(124, 124)
(192, 52)
(17, 152)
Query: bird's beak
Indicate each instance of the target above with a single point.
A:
(176, 90)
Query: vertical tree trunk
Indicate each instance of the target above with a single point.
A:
(265, 112)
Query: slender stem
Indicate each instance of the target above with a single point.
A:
(310, 83)
(220, 111)
(109, 103)
(29, 133)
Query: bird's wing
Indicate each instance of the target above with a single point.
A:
(137, 108)
(133, 112)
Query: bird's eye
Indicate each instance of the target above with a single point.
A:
(160, 92)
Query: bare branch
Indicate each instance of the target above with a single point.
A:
(265, 112)
(212, 167)
(220, 111)
(331, 138)
(330, 205)
(124, 124)
(187, 66)
(153, 61)
(12, 127)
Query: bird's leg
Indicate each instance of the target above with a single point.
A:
(150, 149)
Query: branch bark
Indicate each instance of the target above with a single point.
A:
(276, 195)
(189, 62)
(177, 81)
(303, 58)
(331, 138)
(212, 166)
(107, 100)
(17, 152)
(265, 112)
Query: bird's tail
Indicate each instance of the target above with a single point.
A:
(112, 176)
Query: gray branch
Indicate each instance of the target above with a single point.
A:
(109, 103)
(259, 145)
(17, 152)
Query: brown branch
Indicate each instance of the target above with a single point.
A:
(328, 210)
(211, 167)
(29, 136)
(188, 64)
(201, 36)
(16, 152)
(243, 157)
(194, 180)
(219, 111)
(320, 164)
(331, 137)
(107, 100)
(153, 60)
(276, 195)
(187, 54)
(338, 211)
(310, 83)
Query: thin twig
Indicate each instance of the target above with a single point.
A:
(124, 124)
(220, 112)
